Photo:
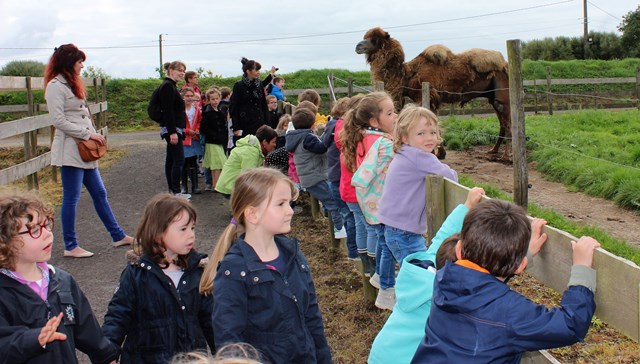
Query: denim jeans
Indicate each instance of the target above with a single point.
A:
(322, 192)
(402, 243)
(173, 164)
(360, 226)
(72, 180)
(348, 218)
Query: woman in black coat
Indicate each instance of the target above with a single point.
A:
(248, 108)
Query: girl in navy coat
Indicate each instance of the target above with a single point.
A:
(263, 291)
(157, 310)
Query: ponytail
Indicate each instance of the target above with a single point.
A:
(222, 247)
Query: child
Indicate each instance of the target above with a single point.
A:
(333, 175)
(191, 142)
(310, 156)
(476, 318)
(313, 96)
(277, 87)
(263, 291)
(416, 136)
(44, 316)
(157, 310)
(225, 94)
(279, 158)
(367, 141)
(248, 153)
(214, 129)
(191, 81)
(273, 116)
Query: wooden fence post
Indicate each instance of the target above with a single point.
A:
(549, 90)
(535, 97)
(350, 86)
(435, 205)
(516, 95)
(426, 98)
(30, 138)
(104, 98)
(638, 87)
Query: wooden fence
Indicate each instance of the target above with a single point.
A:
(31, 125)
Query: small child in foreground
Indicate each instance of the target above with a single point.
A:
(477, 318)
(44, 316)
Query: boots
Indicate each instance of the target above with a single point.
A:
(372, 265)
(365, 264)
(184, 189)
(194, 181)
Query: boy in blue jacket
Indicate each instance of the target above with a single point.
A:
(476, 318)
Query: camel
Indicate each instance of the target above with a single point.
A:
(453, 78)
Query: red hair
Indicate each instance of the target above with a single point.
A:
(61, 63)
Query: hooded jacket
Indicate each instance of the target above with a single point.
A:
(247, 154)
(404, 329)
(309, 156)
(214, 126)
(23, 314)
(476, 318)
(275, 312)
(154, 318)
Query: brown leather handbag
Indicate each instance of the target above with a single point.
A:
(91, 150)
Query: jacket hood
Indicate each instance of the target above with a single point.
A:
(194, 258)
(414, 285)
(294, 138)
(250, 141)
(462, 289)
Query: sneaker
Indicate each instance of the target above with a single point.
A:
(208, 187)
(386, 299)
(186, 196)
(375, 280)
(339, 234)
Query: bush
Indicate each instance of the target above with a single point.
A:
(23, 68)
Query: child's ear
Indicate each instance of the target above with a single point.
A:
(523, 265)
(251, 215)
(459, 249)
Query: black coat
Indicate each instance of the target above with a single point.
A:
(247, 111)
(214, 126)
(153, 318)
(23, 314)
(276, 313)
(173, 115)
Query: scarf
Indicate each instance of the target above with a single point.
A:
(256, 85)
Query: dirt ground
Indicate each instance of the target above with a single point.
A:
(618, 222)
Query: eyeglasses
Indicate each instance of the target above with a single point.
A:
(36, 230)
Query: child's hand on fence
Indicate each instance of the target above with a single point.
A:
(474, 197)
(49, 331)
(538, 238)
(583, 250)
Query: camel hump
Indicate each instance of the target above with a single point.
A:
(484, 60)
(437, 54)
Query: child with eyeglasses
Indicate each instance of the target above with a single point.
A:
(44, 316)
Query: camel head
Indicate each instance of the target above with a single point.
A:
(372, 42)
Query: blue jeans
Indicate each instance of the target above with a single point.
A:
(360, 225)
(173, 164)
(72, 180)
(348, 218)
(375, 233)
(322, 192)
(402, 243)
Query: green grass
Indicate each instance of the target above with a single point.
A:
(595, 152)
(609, 243)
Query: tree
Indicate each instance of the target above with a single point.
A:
(630, 28)
(23, 68)
(95, 72)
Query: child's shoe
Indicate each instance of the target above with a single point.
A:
(208, 187)
(386, 299)
(339, 234)
(375, 280)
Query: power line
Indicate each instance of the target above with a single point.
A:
(604, 11)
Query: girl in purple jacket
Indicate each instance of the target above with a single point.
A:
(417, 135)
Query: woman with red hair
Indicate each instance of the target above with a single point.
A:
(70, 114)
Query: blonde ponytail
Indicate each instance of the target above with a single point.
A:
(222, 247)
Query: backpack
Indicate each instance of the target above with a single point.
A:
(155, 108)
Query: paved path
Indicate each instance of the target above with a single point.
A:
(130, 183)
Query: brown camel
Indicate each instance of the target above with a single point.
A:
(453, 78)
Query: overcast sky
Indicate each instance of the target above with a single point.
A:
(122, 36)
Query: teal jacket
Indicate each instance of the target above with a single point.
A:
(246, 155)
(403, 331)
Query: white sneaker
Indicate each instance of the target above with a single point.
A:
(375, 280)
(186, 196)
(386, 299)
(340, 234)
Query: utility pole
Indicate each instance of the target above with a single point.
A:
(585, 40)
(161, 64)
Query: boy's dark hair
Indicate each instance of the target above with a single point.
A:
(307, 105)
(303, 119)
(495, 235)
(447, 251)
(265, 132)
(189, 74)
(225, 92)
(310, 95)
(277, 79)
